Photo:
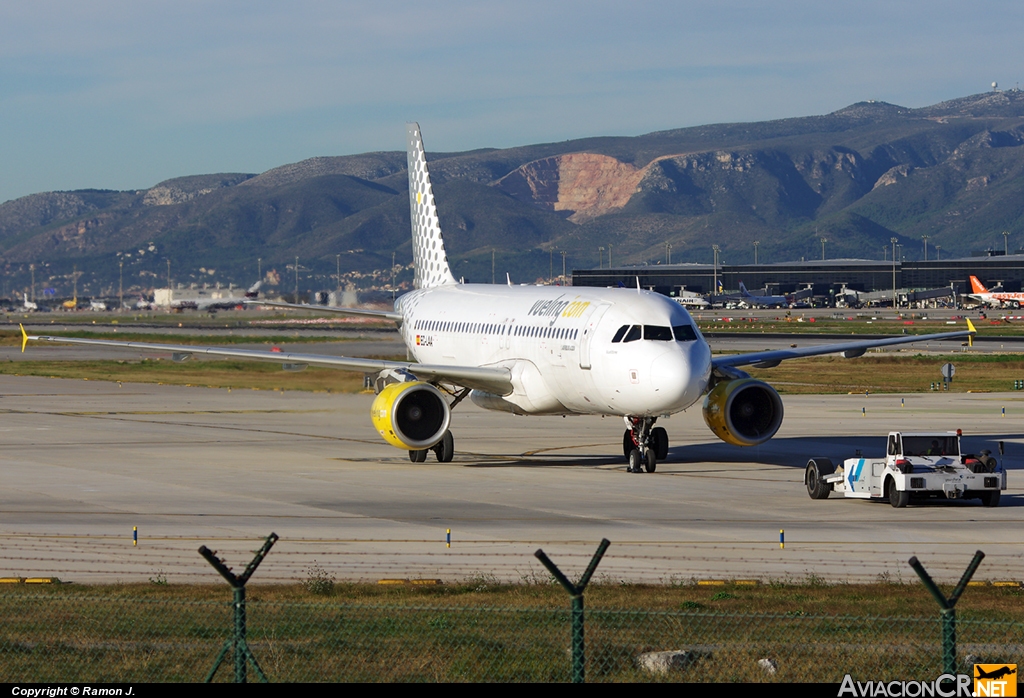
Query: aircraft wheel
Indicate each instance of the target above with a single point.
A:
(896, 498)
(990, 499)
(659, 439)
(627, 443)
(634, 461)
(445, 448)
(651, 461)
(418, 456)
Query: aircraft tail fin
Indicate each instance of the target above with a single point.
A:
(977, 286)
(428, 253)
(744, 291)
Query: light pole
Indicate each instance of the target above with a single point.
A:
(120, 285)
(600, 258)
(925, 238)
(492, 265)
(756, 243)
(259, 268)
(668, 252)
(823, 241)
(338, 256)
(609, 256)
(938, 252)
(392, 277)
(1006, 242)
(893, 241)
(716, 249)
(32, 268)
(296, 279)
(168, 274)
(563, 267)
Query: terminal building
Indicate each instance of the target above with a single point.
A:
(825, 277)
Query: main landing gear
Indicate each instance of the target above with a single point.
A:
(644, 444)
(444, 450)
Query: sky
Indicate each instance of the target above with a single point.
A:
(114, 94)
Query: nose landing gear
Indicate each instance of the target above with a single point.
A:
(643, 444)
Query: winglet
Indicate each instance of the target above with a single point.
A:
(24, 337)
(970, 337)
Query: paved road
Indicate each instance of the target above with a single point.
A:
(84, 462)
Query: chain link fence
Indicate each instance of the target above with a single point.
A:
(49, 638)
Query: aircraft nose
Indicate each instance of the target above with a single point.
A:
(679, 376)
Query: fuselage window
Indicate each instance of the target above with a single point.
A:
(633, 334)
(658, 333)
(684, 333)
(619, 334)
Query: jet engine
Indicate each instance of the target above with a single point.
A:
(743, 411)
(413, 415)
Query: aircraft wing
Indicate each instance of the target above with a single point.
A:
(359, 312)
(770, 359)
(490, 379)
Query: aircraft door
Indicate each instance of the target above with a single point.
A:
(587, 334)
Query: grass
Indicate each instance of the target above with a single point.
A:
(889, 373)
(481, 631)
(810, 596)
(882, 373)
(848, 325)
(208, 374)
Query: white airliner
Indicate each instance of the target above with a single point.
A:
(543, 350)
(994, 298)
(692, 300)
(748, 298)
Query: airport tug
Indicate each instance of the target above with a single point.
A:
(916, 466)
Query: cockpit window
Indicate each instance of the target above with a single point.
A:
(633, 334)
(619, 334)
(684, 333)
(658, 333)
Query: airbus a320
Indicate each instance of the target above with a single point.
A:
(543, 350)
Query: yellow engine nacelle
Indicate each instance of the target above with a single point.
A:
(743, 412)
(411, 415)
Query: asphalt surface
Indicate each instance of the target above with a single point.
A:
(84, 462)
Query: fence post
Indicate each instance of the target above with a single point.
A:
(242, 654)
(948, 607)
(576, 595)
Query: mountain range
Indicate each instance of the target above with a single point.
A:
(856, 177)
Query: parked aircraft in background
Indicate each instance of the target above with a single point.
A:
(543, 350)
(688, 299)
(29, 305)
(753, 301)
(994, 298)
